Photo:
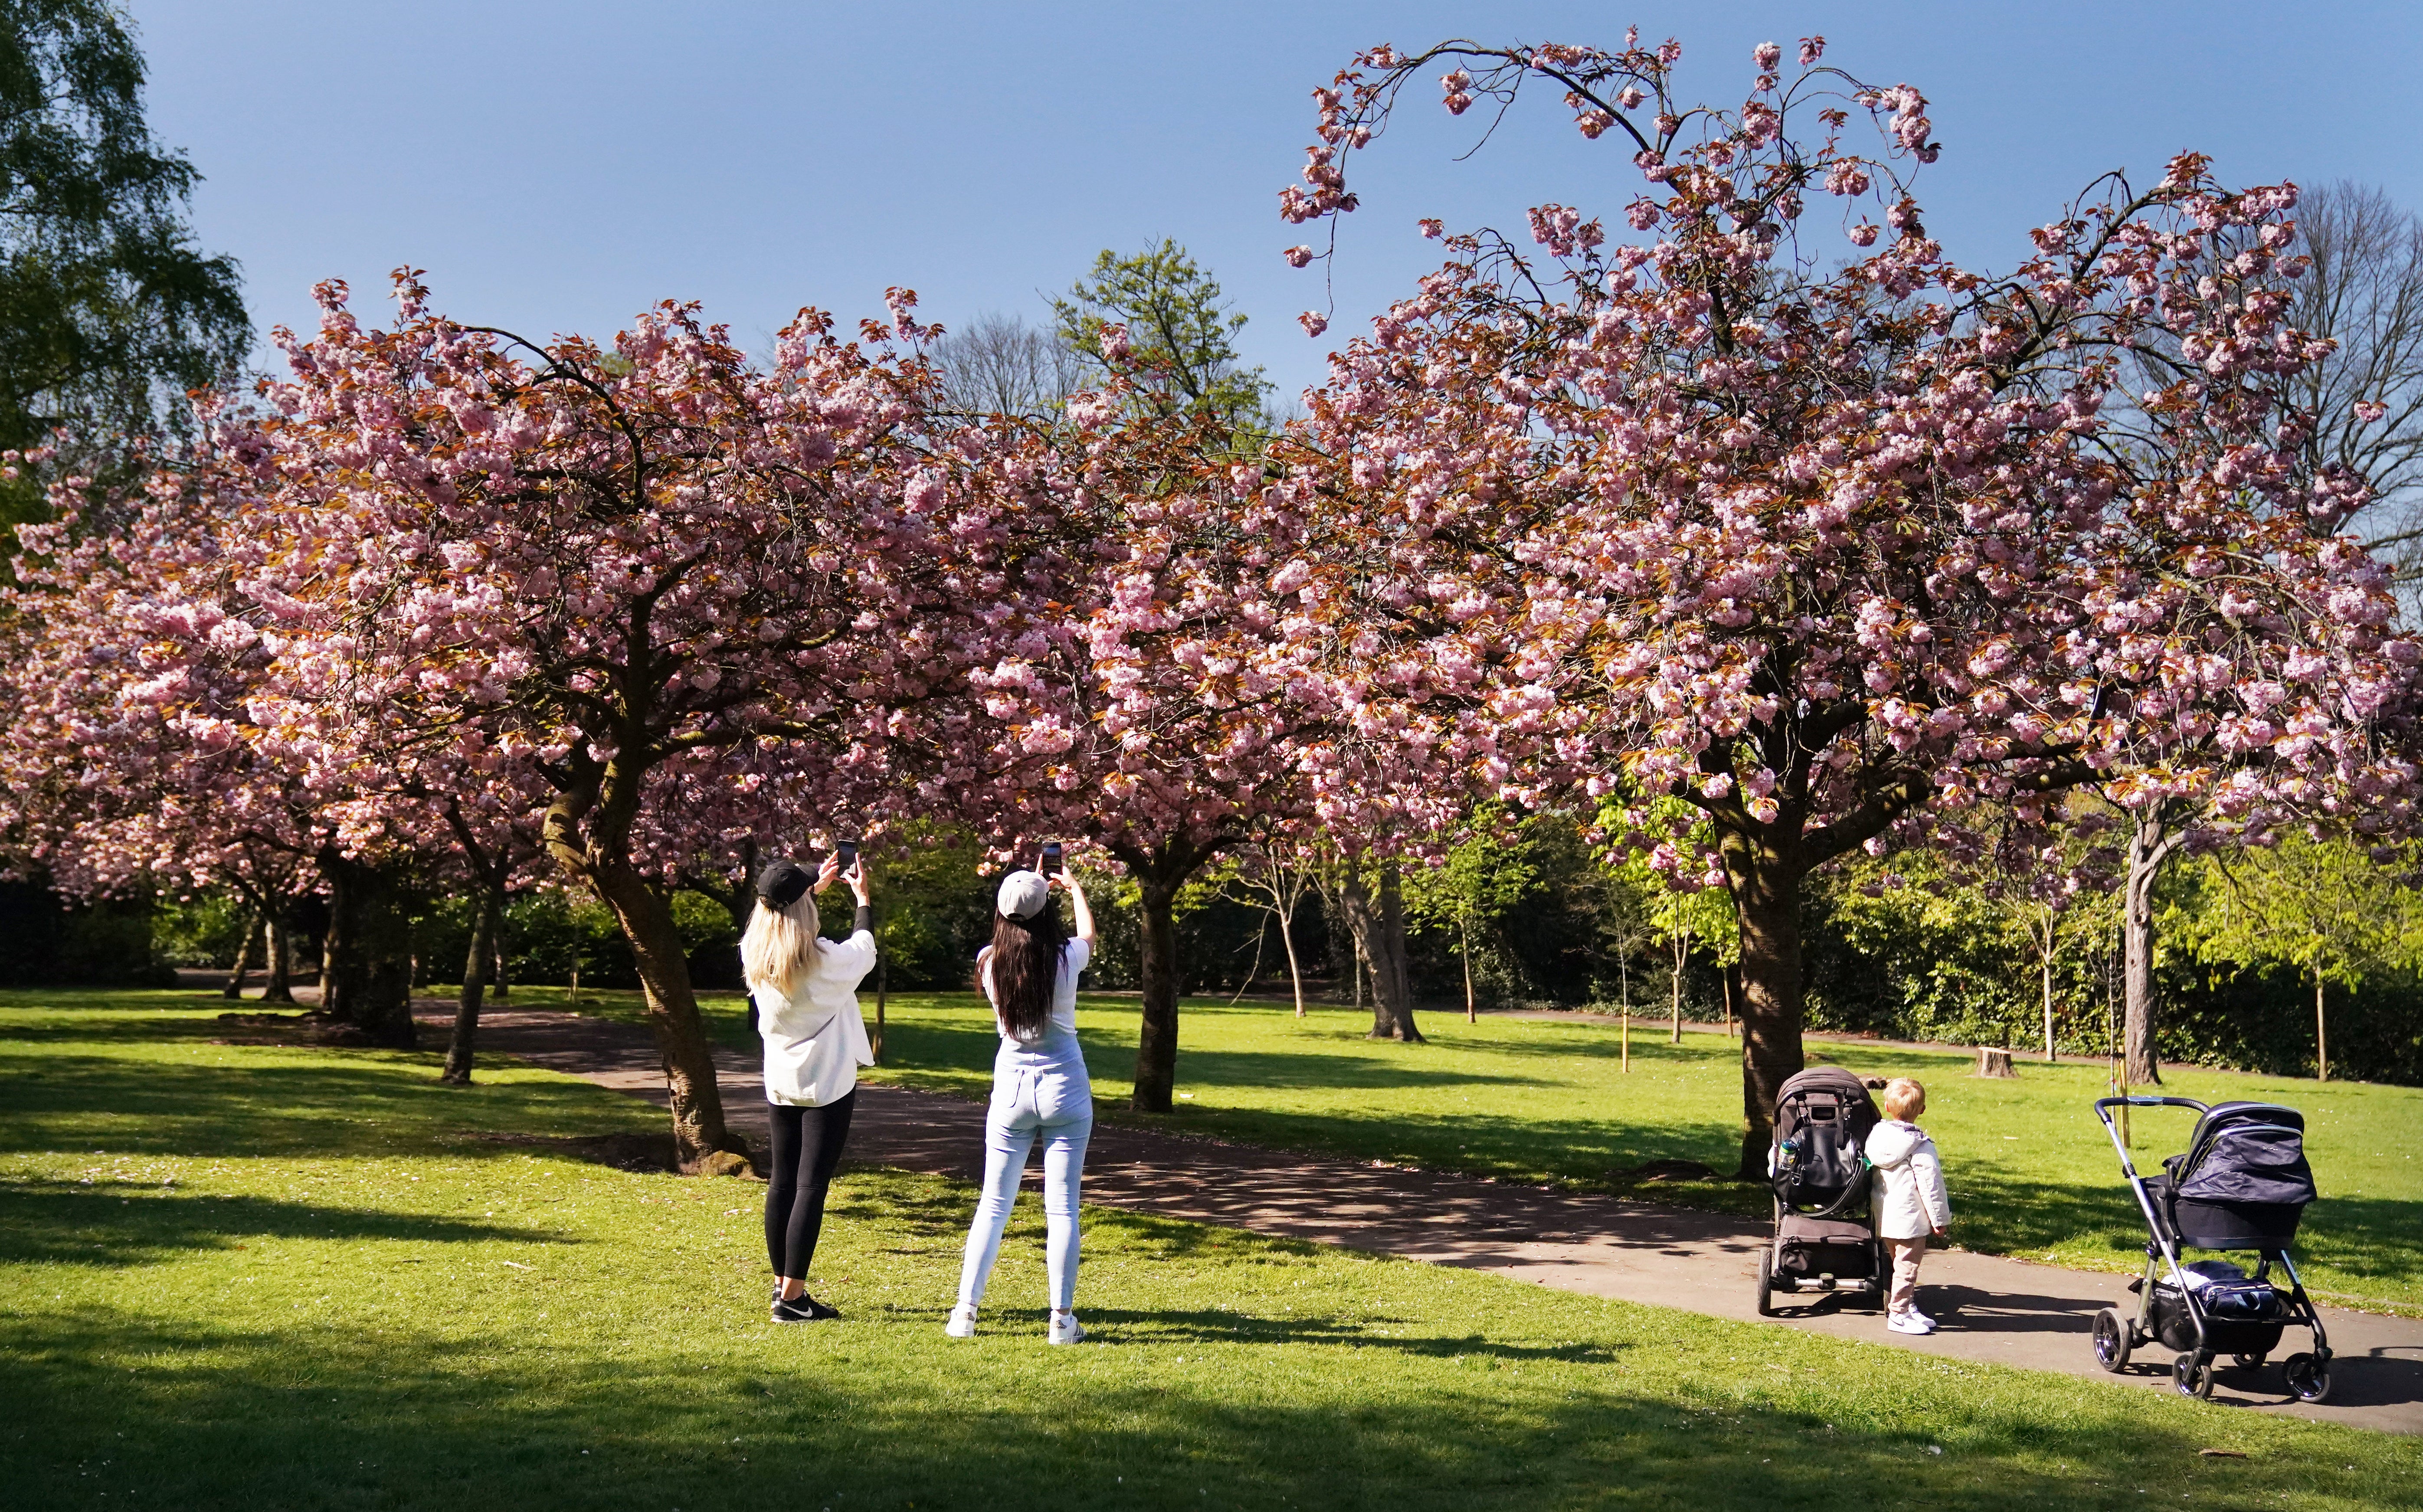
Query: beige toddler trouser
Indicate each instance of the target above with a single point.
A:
(1906, 1254)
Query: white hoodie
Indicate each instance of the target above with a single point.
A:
(1910, 1202)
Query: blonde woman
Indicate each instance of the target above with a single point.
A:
(806, 992)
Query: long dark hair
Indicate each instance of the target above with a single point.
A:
(1025, 964)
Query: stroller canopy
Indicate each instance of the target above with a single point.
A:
(2245, 1152)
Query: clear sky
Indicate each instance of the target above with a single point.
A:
(558, 165)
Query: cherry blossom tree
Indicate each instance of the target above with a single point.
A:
(1834, 554)
(688, 595)
(1130, 721)
(124, 678)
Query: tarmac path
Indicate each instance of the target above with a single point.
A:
(1987, 1308)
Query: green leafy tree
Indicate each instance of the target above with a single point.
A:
(1484, 877)
(1180, 332)
(1682, 921)
(108, 311)
(2323, 907)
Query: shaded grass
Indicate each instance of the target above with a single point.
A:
(379, 1310)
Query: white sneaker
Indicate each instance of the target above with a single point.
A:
(1919, 1317)
(1912, 1321)
(1065, 1329)
(963, 1322)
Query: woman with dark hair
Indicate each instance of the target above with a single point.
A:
(1039, 1088)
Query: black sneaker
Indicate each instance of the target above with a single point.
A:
(802, 1309)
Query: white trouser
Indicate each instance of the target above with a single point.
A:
(1035, 1093)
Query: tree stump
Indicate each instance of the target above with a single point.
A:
(1994, 1062)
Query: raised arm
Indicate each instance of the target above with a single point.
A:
(856, 877)
(1077, 901)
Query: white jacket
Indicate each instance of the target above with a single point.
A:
(815, 1039)
(1910, 1202)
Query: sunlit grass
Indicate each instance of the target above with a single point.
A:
(241, 1276)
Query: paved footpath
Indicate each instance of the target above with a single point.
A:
(2006, 1311)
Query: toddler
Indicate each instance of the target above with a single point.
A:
(1910, 1199)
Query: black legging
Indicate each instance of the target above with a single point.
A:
(807, 1147)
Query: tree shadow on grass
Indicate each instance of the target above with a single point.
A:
(320, 1416)
(113, 1224)
(336, 1103)
(120, 1028)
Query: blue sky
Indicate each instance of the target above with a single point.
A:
(558, 165)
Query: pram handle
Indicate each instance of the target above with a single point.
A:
(2103, 1105)
(2161, 1236)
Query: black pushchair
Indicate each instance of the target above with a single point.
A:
(2241, 1184)
(1825, 1237)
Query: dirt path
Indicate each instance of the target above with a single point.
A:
(2006, 1311)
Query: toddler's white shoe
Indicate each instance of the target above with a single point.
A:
(1912, 1321)
(1921, 1318)
(1065, 1329)
(963, 1322)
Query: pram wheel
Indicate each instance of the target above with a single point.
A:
(2249, 1361)
(1767, 1282)
(2111, 1340)
(2192, 1375)
(2309, 1379)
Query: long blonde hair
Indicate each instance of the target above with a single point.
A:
(779, 944)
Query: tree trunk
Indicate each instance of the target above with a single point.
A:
(367, 957)
(1379, 924)
(475, 986)
(500, 986)
(1463, 937)
(279, 985)
(1682, 959)
(1296, 970)
(647, 919)
(2044, 959)
(1766, 898)
(875, 1046)
(1156, 1072)
(1725, 979)
(2322, 1040)
(252, 932)
(741, 904)
(2151, 843)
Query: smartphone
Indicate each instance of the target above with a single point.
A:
(1051, 857)
(846, 853)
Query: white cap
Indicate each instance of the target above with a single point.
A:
(1022, 895)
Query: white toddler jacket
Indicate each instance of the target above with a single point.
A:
(1910, 1202)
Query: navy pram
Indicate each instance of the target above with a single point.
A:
(2242, 1183)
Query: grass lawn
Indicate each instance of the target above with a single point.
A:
(2031, 1171)
(237, 1276)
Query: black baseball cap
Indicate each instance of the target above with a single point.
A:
(782, 882)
